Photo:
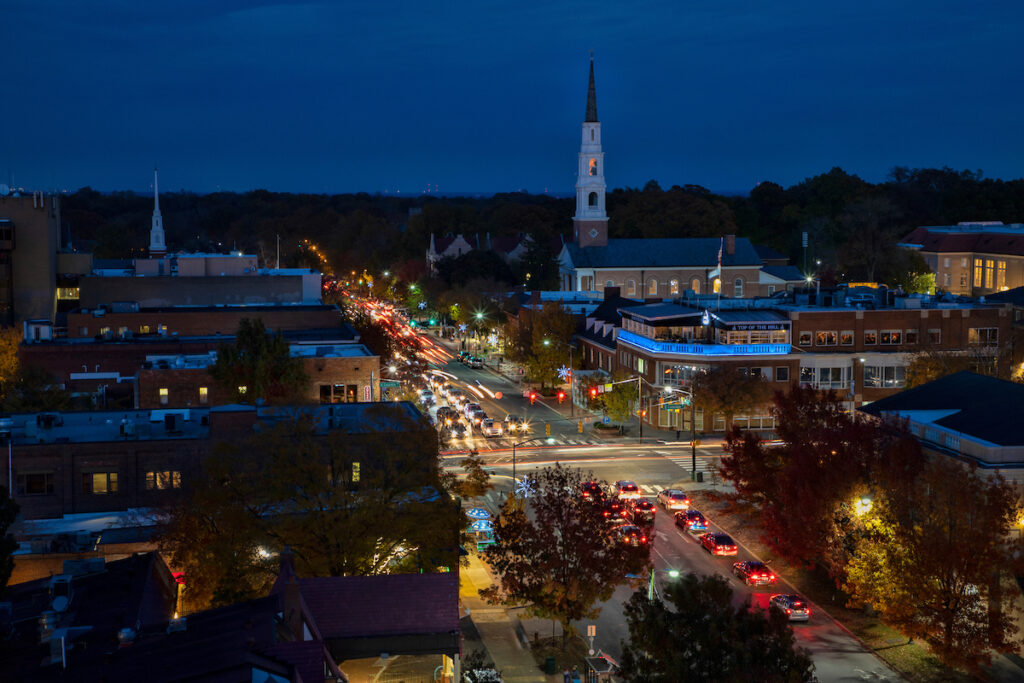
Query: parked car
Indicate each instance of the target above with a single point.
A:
(718, 543)
(490, 428)
(476, 362)
(793, 606)
(754, 573)
(641, 510)
(674, 499)
(626, 489)
(691, 520)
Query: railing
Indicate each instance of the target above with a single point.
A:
(702, 349)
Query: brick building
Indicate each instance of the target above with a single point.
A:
(72, 463)
(338, 373)
(972, 258)
(820, 339)
(29, 241)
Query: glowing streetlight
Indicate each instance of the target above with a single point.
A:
(862, 506)
(674, 573)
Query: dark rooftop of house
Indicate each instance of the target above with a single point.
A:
(661, 312)
(663, 253)
(977, 406)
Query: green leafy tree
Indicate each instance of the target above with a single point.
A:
(697, 634)
(619, 403)
(8, 513)
(262, 363)
(726, 391)
(935, 558)
(477, 481)
(347, 504)
(10, 337)
(551, 556)
(551, 329)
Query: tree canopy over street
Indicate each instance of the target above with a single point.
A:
(553, 555)
(697, 634)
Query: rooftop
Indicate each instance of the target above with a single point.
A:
(977, 406)
(663, 253)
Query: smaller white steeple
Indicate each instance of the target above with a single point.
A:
(157, 248)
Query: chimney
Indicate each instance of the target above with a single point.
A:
(730, 244)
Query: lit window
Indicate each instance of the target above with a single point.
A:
(652, 287)
(825, 339)
(846, 338)
(67, 293)
(161, 480)
(870, 337)
(242, 389)
(355, 472)
(99, 483)
(716, 286)
(1001, 274)
(143, 329)
(977, 272)
(892, 337)
(805, 339)
(631, 287)
(673, 286)
(982, 336)
(989, 267)
(164, 398)
(695, 285)
(203, 395)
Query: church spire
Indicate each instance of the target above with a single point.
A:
(591, 95)
(156, 233)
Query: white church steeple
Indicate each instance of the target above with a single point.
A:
(590, 224)
(157, 248)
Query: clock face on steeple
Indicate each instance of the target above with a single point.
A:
(592, 166)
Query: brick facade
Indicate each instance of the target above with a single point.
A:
(186, 322)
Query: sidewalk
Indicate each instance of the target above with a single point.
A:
(498, 629)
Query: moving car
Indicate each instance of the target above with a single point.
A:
(471, 408)
(591, 490)
(476, 362)
(718, 543)
(691, 520)
(490, 428)
(446, 415)
(674, 499)
(641, 511)
(477, 418)
(754, 573)
(457, 430)
(514, 423)
(625, 489)
(613, 508)
(793, 606)
(631, 534)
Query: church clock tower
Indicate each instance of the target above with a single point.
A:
(590, 224)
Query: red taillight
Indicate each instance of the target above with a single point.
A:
(643, 539)
(789, 611)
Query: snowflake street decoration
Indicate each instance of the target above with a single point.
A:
(524, 488)
(492, 340)
(564, 373)
(423, 305)
(462, 327)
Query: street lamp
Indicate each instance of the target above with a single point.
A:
(863, 506)
(688, 393)
(674, 573)
(572, 375)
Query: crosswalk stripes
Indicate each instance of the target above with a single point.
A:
(704, 464)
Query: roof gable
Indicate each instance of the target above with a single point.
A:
(663, 253)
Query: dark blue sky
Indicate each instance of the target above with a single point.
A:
(489, 96)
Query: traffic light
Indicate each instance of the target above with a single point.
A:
(561, 395)
(433, 322)
(547, 428)
(533, 397)
(593, 392)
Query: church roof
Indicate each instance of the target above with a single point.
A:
(591, 96)
(662, 253)
(787, 273)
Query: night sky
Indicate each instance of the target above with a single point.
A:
(483, 96)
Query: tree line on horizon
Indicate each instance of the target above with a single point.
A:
(852, 225)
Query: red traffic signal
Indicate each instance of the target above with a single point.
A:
(533, 397)
(561, 395)
(593, 392)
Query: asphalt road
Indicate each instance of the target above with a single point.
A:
(837, 655)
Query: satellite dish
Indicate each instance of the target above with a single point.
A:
(4, 189)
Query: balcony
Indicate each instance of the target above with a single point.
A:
(673, 348)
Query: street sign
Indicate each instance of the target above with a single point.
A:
(478, 513)
(606, 419)
(608, 387)
(547, 428)
(580, 429)
(591, 630)
(672, 406)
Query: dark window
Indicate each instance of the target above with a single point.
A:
(782, 373)
(35, 484)
(805, 339)
(325, 393)
(592, 200)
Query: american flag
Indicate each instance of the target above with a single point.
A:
(720, 245)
